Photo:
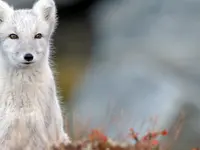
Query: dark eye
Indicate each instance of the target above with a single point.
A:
(13, 36)
(38, 36)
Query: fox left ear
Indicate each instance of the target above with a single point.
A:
(5, 11)
(46, 9)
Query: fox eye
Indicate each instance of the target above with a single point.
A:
(13, 36)
(38, 36)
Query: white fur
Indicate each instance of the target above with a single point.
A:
(30, 114)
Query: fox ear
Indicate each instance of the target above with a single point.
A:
(46, 9)
(5, 11)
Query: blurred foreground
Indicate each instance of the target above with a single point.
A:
(97, 140)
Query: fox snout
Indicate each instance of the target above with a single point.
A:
(28, 58)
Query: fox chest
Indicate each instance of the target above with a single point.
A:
(26, 97)
(25, 111)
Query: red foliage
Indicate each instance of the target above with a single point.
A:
(97, 135)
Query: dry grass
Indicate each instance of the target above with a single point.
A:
(97, 140)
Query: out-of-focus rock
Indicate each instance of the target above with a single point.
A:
(146, 62)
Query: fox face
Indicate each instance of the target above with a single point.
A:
(25, 34)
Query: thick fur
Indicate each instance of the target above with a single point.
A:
(30, 114)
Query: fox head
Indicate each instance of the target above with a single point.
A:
(25, 34)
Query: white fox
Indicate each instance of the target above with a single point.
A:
(30, 114)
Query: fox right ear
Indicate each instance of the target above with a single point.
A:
(46, 9)
(5, 10)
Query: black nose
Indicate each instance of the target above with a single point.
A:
(28, 57)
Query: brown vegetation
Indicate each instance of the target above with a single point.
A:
(97, 140)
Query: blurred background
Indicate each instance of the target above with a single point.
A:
(129, 64)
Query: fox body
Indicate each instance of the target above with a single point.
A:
(30, 114)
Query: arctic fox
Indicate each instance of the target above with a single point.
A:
(30, 114)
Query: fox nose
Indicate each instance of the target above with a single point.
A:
(28, 57)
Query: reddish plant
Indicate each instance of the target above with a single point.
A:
(97, 135)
